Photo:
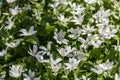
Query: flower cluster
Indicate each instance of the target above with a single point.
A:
(59, 39)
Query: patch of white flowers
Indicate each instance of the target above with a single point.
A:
(59, 40)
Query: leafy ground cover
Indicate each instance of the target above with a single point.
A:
(59, 40)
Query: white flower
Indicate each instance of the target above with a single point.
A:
(103, 23)
(28, 33)
(14, 43)
(9, 23)
(75, 33)
(102, 67)
(63, 1)
(88, 29)
(84, 78)
(34, 51)
(77, 54)
(1, 3)
(73, 63)
(56, 61)
(117, 77)
(16, 71)
(117, 47)
(101, 15)
(65, 51)
(106, 66)
(41, 59)
(78, 19)
(3, 52)
(107, 32)
(62, 18)
(57, 3)
(2, 75)
(98, 71)
(55, 65)
(30, 76)
(72, 5)
(46, 50)
(59, 37)
(90, 1)
(10, 1)
(77, 9)
(95, 41)
(85, 42)
(54, 5)
(14, 11)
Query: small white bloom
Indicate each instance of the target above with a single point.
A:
(84, 78)
(9, 23)
(65, 51)
(75, 33)
(46, 50)
(14, 11)
(98, 71)
(62, 18)
(16, 71)
(72, 5)
(3, 52)
(95, 41)
(85, 42)
(34, 51)
(56, 61)
(103, 23)
(78, 19)
(14, 43)
(107, 32)
(117, 47)
(59, 37)
(56, 67)
(73, 63)
(54, 5)
(102, 67)
(41, 59)
(55, 64)
(1, 3)
(28, 33)
(106, 66)
(101, 15)
(63, 1)
(57, 3)
(77, 9)
(10, 1)
(76, 54)
(88, 29)
(30, 76)
(2, 75)
(117, 77)
(90, 1)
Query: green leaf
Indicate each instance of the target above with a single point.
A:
(49, 29)
(33, 40)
